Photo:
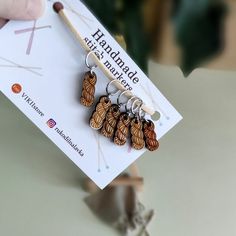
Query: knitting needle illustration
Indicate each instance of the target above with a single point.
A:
(100, 153)
(82, 17)
(129, 148)
(12, 64)
(32, 30)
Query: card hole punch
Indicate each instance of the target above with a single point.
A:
(156, 116)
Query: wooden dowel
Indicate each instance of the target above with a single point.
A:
(59, 8)
(134, 173)
(134, 170)
(128, 181)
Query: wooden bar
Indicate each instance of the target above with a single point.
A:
(63, 15)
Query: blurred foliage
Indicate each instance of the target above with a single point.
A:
(198, 27)
(198, 30)
(125, 18)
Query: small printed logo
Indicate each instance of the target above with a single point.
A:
(51, 123)
(16, 88)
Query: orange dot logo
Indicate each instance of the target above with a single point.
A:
(16, 88)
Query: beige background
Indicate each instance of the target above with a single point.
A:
(190, 181)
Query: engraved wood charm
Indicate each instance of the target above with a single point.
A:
(88, 90)
(109, 125)
(98, 116)
(150, 136)
(137, 136)
(122, 129)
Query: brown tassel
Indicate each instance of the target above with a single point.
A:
(99, 114)
(122, 129)
(88, 90)
(110, 122)
(137, 137)
(150, 136)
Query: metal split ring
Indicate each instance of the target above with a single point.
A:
(92, 67)
(141, 112)
(107, 88)
(127, 108)
(119, 97)
(135, 110)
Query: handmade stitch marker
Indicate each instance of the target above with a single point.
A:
(89, 82)
(99, 114)
(112, 118)
(136, 129)
(110, 122)
(151, 141)
(102, 107)
(122, 128)
(137, 136)
(88, 89)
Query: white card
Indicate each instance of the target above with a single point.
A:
(41, 69)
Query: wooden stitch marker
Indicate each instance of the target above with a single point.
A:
(134, 179)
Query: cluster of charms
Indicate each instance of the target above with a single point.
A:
(112, 122)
